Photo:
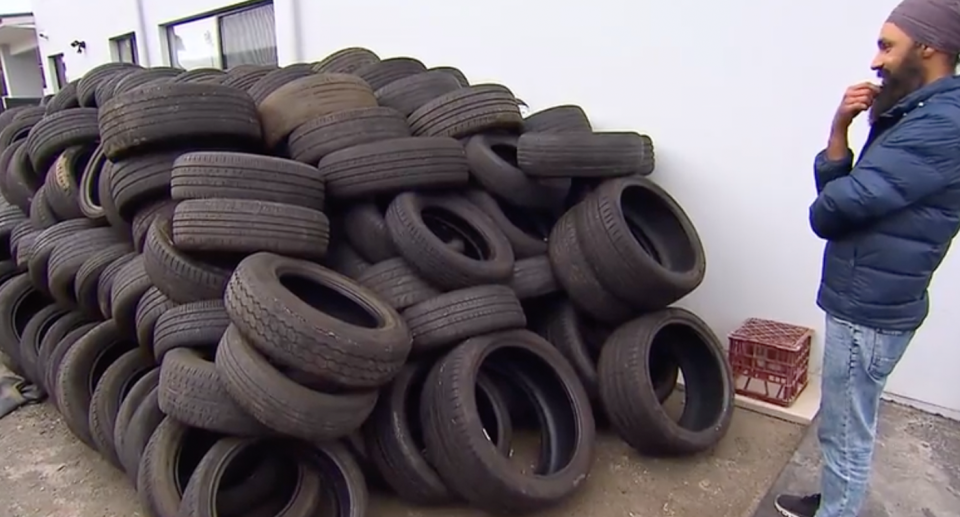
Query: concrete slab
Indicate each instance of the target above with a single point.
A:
(916, 467)
(46, 472)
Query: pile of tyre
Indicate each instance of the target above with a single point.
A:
(259, 290)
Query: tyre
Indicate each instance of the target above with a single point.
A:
(397, 283)
(409, 93)
(317, 138)
(181, 277)
(59, 131)
(244, 226)
(192, 325)
(467, 111)
(396, 165)
(631, 401)
(19, 302)
(366, 230)
(641, 245)
(533, 278)
(348, 336)
(108, 396)
(393, 439)
(381, 73)
(275, 79)
(209, 483)
(296, 102)
(82, 367)
(205, 175)
(346, 61)
(281, 404)
(68, 255)
(63, 181)
(578, 278)
(171, 456)
(567, 118)
(191, 392)
(105, 283)
(421, 226)
(89, 189)
(177, 113)
(526, 229)
(33, 334)
(129, 285)
(458, 447)
(138, 392)
(151, 306)
(583, 155)
(52, 365)
(493, 164)
(453, 317)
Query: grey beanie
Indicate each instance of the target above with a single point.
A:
(935, 23)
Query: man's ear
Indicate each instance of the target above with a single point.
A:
(927, 52)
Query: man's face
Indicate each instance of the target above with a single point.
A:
(900, 67)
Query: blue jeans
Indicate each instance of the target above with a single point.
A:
(856, 363)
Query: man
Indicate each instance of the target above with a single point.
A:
(888, 221)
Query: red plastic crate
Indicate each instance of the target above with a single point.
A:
(770, 360)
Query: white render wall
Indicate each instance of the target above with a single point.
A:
(736, 94)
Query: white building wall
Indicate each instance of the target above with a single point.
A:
(22, 72)
(737, 95)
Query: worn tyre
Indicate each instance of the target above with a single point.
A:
(177, 113)
(348, 337)
(628, 391)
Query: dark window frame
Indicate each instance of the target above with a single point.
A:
(130, 37)
(216, 14)
(58, 71)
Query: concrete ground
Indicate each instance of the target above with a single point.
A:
(46, 472)
(916, 467)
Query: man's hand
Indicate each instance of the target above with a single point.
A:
(857, 99)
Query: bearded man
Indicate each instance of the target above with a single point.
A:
(888, 221)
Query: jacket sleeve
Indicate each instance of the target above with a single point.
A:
(920, 157)
(825, 170)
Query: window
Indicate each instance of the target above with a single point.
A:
(58, 72)
(124, 48)
(246, 35)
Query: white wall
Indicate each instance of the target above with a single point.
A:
(737, 95)
(21, 72)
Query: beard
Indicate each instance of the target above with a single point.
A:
(897, 84)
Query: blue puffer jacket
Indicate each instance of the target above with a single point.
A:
(890, 218)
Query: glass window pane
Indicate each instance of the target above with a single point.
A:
(249, 37)
(194, 44)
(127, 49)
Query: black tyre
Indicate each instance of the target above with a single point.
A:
(421, 226)
(392, 166)
(628, 391)
(282, 404)
(177, 113)
(461, 451)
(348, 336)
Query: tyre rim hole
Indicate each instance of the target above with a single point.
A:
(29, 305)
(104, 359)
(506, 152)
(329, 301)
(193, 445)
(657, 229)
(449, 227)
(533, 223)
(77, 164)
(544, 394)
(704, 397)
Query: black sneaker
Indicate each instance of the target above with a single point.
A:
(798, 506)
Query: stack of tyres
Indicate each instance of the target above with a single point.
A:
(257, 290)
